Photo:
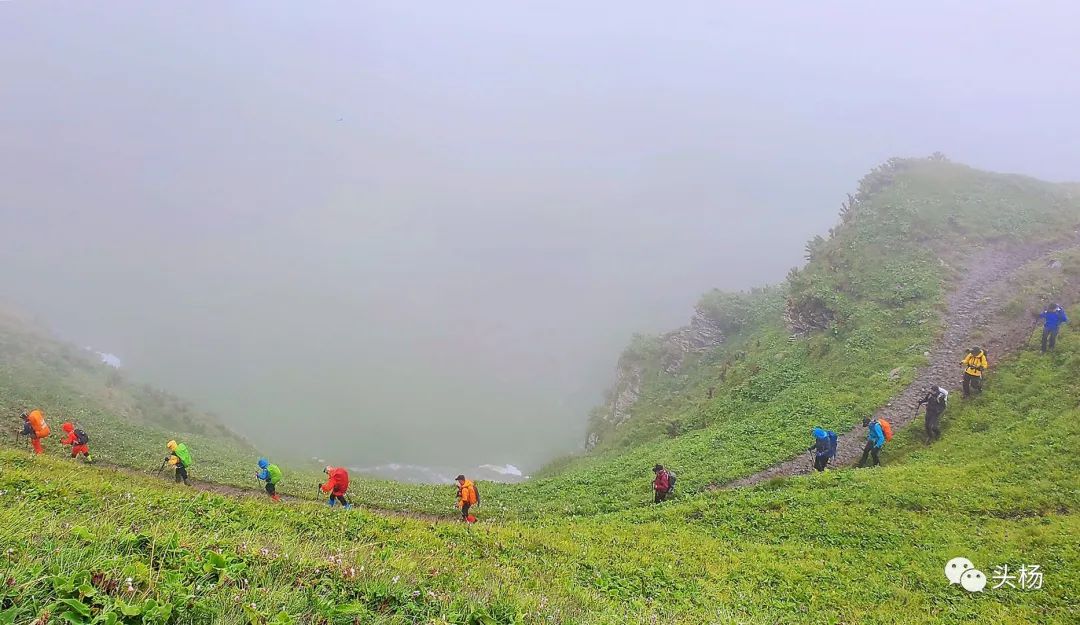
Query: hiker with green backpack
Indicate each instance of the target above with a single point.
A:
(271, 474)
(878, 432)
(824, 447)
(180, 458)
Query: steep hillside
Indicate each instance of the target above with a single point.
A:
(733, 395)
(84, 545)
(128, 422)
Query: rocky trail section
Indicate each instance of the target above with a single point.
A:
(972, 316)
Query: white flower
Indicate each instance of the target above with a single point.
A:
(396, 578)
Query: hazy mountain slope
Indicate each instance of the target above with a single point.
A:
(128, 423)
(846, 546)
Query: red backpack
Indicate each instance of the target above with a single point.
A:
(886, 429)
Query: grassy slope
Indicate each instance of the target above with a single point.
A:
(883, 271)
(846, 546)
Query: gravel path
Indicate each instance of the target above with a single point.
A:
(970, 306)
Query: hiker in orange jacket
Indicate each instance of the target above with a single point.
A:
(337, 483)
(35, 428)
(78, 441)
(468, 496)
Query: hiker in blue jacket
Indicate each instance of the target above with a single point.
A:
(875, 440)
(824, 448)
(1052, 318)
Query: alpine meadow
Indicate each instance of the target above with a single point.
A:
(928, 258)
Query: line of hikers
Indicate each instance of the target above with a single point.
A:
(879, 430)
(35, 429)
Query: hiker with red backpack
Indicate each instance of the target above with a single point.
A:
(824, 447)
(337, 484)
(878, 432)
(79, 441)
(663, 483)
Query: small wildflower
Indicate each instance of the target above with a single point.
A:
(396, 578)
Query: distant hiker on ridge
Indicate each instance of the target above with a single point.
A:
(663, 483)
(271, 474)
(824, 447)
(78, 440)
(878, 432)
(35, 428)
(974, 365)
(467, 497)
(936, 400)
(337, 484)
(179, 457)
(1052, 318)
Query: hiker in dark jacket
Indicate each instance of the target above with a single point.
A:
(824, 448)
(936, 400)
(1052, 318)
(662, 484)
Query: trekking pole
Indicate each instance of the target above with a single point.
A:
(162, 467)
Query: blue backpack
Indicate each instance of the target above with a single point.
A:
(832, 443)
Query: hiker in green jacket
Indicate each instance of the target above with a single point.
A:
(271, 474)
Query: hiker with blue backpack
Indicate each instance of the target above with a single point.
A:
(1052, 318)
(824, 447)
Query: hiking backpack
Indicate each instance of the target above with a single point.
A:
(81, 437)
(832, 443)
(886, 429)
(670, 481)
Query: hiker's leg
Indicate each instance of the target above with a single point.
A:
(176, 474)
(269, 489)
(465, 511)
(875, 452)
(181, 474)
(1053, 338)
(820, 462)
(1045, 336)
(341, 498)
(35, 442)
(967, 385)
(976, 383)
(865, 453)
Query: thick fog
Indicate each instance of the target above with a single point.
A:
(386, 231)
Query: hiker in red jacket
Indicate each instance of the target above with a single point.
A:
(78, 440)
(336, 484)
(662, 485)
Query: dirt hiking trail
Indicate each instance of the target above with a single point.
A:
(973, 317)
(229, 490)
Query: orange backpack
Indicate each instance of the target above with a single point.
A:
(886, 429)
(37, 423)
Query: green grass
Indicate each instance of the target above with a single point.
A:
(865, 546)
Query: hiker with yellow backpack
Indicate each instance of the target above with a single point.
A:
(35, 428)
(974, 364)
(878, 432)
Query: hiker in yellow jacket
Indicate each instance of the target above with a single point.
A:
(974, 365)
